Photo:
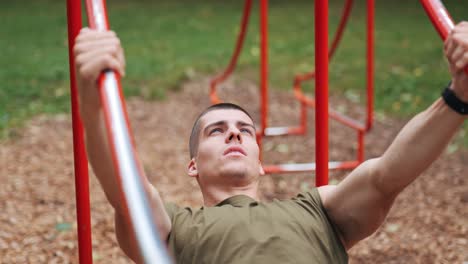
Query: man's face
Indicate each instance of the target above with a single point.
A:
(228, 153)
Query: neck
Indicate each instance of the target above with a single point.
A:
(215, 194)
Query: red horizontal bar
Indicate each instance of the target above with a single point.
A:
(348, 121)
(309, 167)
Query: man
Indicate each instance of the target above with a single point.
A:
(233, 227)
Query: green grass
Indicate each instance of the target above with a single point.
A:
(164, 40)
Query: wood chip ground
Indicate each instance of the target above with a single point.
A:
(427, 224)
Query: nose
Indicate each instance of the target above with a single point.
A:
(234, 135)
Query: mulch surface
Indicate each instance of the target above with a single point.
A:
(427, 224)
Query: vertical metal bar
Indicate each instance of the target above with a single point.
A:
(264, 64)
(370, 62)
(321, 91)
(360, 151)
(303, 126)
(81, 161)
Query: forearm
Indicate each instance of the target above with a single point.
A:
(94, 52)
(418, 144)
(371, 189)
(101, 161)
(100, 158)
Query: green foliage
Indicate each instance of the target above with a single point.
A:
(164, 40)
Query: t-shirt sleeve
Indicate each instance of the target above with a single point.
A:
(312, 202)
(171, 209)
(181, 219)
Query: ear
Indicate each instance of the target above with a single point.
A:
(192, 169)
(261, 170)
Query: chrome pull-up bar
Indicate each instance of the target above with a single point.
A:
(128, 169)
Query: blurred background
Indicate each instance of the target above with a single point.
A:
(166, 42)
(172, 49)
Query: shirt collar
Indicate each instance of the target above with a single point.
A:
(238, 201)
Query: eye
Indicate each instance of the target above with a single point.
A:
(215, 130)
(246, 130)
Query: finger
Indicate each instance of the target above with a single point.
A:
(91, 33)
(449, 45)
(86, 46)
(86, 57)
(90, 71)
(462, 62)
(87, 35)
(461, 27)
(456, 54)
(121, 58)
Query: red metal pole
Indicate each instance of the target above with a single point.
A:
(321, 91)
(360, 156)
(235, 56)
(370, 62)
(439, 16)
(264, 64)
(81, 161)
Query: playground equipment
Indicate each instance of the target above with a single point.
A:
(123, 153)
(321, 92)
(440, 18)
(126, 164)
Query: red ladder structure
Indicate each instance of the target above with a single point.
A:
(320, 103)
(152, 250)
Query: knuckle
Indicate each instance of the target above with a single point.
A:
(114, 49)
(83, 73)
(76, 50)
(115, 42)
(107, 59)
(79, 60)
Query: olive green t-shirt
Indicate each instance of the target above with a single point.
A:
(242, 230)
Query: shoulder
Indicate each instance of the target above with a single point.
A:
(315, 199)
(325, 192)
(175, 211)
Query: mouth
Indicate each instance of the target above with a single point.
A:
(235, 151)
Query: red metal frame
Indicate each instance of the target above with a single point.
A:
(321, 91)
(263, 66)
(83, 211)
(273, 131)
(304, 100)
(440, 18)
(352, 123)
(298, 79)
(232, 63)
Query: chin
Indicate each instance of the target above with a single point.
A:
(234, 174)
(234, 171)
(237, 169)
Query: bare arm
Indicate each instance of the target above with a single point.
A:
(360, 203)
(95, 51)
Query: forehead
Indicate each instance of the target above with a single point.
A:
(228, 115)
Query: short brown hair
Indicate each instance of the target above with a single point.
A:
(194, 136)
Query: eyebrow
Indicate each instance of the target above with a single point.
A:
(222, 122)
